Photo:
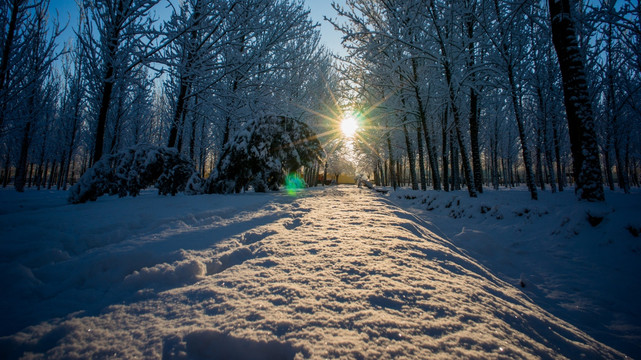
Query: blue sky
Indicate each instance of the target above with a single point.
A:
(330, 37)
(68, 12)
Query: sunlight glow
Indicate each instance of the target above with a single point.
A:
(349, 126)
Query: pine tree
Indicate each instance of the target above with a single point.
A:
(262, 153)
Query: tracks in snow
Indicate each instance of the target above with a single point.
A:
(334, 273)
(347, 274)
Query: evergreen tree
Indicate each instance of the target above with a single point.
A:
(263, 153)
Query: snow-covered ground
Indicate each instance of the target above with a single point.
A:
(329, 273)
(587, 274)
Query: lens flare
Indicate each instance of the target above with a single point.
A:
(293, 183)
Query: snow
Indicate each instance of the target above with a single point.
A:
(579, 272)
(340, 272)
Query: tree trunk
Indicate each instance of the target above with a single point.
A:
(7, 169)
(560, 176)
(325, 174)
(622, 173)
(467, 171)
(42, 179)
(421, 158)
(527, 160)
(117, 120)
(30, 176)
(108, 85)
(192, 138)
(21, 168)
(423, 120)
(509, 180)
(610, 109)
(70, 174)
(539, 157)
(178, 114)
(52, 175)
(410, 157)
(474, 111)
(633, 174)
(549, 165)
(444, 134)
(185, 83)
(203, 149)
(495, 165)
(72, 143)
(585, 153)
(608, 163)
(391, 170)
(454, 153)
(110, 74)
(510, 175)
(613, 138)
(375, 179)
(6, 51)
(181, 131)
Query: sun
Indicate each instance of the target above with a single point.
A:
(349, 126)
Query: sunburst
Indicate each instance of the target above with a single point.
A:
(349, 126)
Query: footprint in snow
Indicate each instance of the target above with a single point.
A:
(293, 224)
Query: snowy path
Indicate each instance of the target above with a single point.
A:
(332, 273)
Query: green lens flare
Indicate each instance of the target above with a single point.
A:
(293, 183)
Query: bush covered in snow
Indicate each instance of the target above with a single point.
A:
(259, 156)
(134, 169)
(262, 154)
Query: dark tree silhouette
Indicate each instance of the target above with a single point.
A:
(585, 151)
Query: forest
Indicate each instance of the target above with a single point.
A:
(448, 94)
(499, 142)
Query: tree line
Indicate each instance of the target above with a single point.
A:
(451, 93)
(189, 82)
(492, 92)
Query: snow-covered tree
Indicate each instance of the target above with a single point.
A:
(445, 62)
(585, 152)
(27, 86)
(263, 153)
(117, 36)
(134, 169)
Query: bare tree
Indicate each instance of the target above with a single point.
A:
(117, 22)
(30, 75)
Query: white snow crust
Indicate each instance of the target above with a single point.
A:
(582, 273)
(340, 272)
